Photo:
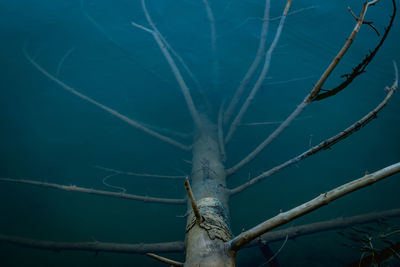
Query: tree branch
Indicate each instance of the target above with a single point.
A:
(312, 94)
(221, 142)
(360, 68)
(95, 191)
(326, 143)
(184, 89)
(164, 260)
(262, 75)
(111, 111)
(246, 79)
(316, 203)
(140, 174)
(96, 246)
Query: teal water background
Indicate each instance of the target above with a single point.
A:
(48, 134)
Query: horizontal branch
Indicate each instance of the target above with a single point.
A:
(96, 192)
(111, 111)
(309, 98)
(314, 204)
(140, 174)
(95, 246)
(324, 144)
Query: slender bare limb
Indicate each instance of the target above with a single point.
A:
(111, 111)
(339, 223)
(246, 79)
(140, 174)
(324, 144)
(221, 142)
(190, 195)
(360, 68)
(312, 94)
(270, 122)
(164, 260)
(96, 246)
(213, 33)
(316, 203)
(95, 191)
(184, 89)
(261, 77)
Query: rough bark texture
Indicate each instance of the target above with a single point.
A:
(205, 240)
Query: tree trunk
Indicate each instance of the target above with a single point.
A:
(205, 240)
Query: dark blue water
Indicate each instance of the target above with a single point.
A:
(48, 134)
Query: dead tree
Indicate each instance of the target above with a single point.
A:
(209, 239)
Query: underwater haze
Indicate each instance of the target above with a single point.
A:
(48, 134)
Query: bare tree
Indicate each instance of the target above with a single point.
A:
(207, 147)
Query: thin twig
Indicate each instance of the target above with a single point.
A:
(314, 204)
(140, 174)
(95, 191)
(62, 60)
(111, 111)
(326, 143)
(246, 79)
(309, 98)
(164, 260)
(221, 142)
(261, 77)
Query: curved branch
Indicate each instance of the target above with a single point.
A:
(312, 94)
(261, 77)
(184, 89)
(314, 204)
(360, 68)
(96, 246)
(324, 144)
(111, 111)
(96, 192)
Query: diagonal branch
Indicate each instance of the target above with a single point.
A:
(360, 68)
(324, 144)
(96, 192)
(309, 98)
(184, 89)
(261, 77)
(339, 223)
(314, 204)
(111, 111)
(260, 52)
(96, 246)
(164, 260)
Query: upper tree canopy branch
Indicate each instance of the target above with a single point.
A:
(96, 192)
(312, 94)
(246, 79)
(111, 111)
(324, 144)
(320, 201)
(95, 246)
(261, 77)
(184, 89)
(360, 68)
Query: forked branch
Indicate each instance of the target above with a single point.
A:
(327, 143)
(316, 203)
(95, 191)
(312, 94)
(111, 111)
